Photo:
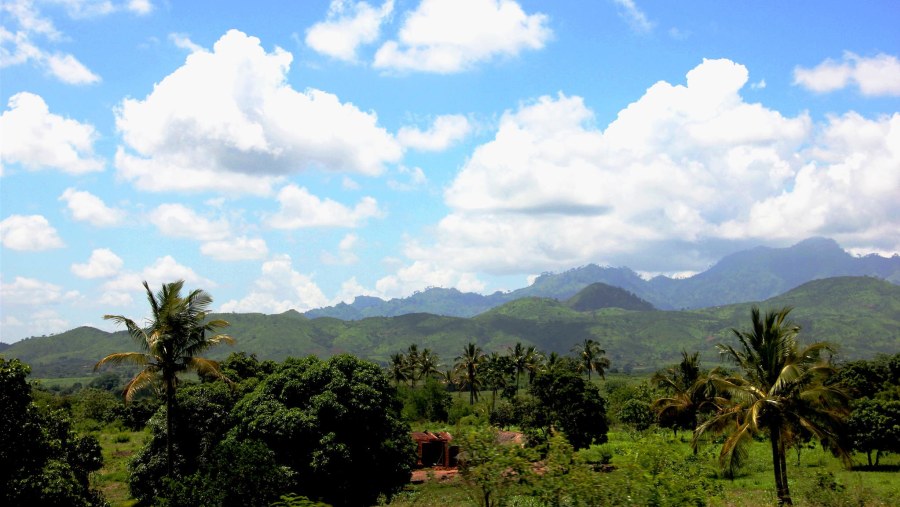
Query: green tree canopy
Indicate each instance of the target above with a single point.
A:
(336, 424)
(42, 461)
(569, 403)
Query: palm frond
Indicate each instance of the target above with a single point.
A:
(137, 358)
(140, 381)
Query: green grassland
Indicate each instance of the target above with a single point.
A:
(818, 479)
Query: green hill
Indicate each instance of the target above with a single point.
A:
(860, 315)
(597, 296)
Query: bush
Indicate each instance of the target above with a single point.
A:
(429, 402)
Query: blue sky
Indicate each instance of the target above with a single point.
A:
(296, 154)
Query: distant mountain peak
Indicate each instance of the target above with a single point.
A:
(748, 275)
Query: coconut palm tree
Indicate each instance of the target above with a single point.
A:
(429, 364)
(517, 355)
(592, 357)
(175, 333)
(413, 361)
(689, 393)
(467, 366)
(534, 362)
(782, 390)
(398, 368)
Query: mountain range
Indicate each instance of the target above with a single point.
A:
(860, 315)
(749, 275)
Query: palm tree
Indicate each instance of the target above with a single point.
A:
(413, 360)
(467, 366)
(592, 357)
(519, 360)
(174, 335)
(534, 361)
(398, 368)
(690, 393)
(783, 390)
(429, 364)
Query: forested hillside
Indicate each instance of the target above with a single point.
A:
(859, 314)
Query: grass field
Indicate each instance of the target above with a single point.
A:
(119, 445)
(818, 480)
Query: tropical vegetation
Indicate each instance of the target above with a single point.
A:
(527, 426)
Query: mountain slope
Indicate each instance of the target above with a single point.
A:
(749, 275)
(597, 296)
(859, 314)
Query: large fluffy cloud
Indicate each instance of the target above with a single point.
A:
(118, 291)
(87, 207)
(29, 233)
(38, 139)
(103, 263)
(691, 165)
(875, 76)
(278, 289)
(447, 36)
(300, 208)
(228, 120)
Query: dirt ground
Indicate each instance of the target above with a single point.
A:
(439, 474)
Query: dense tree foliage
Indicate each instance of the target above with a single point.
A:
(336, 424)
(567, 402)
(42, 461)
(874, 423)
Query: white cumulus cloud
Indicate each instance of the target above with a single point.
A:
(278, 289)
(875, 76)
(179, 221)
(29, 233)
(87, 207)
(448, 36)
(228, 120)
(119, 290)
(103, 263)
(236, 249)
(38, 139)
(686, 164)
(349, 25)
(25, 291)
(443, 133)
(300, 208)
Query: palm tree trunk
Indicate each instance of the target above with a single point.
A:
(782, 455)
(774, 437)
(170, 408)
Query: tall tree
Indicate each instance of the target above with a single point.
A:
(429, 364)
(413, 362)
(399, 371)
(175, 334)
(689, 393)
(467, 365)
(517, 355)
(592, 357)
(782, 389)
